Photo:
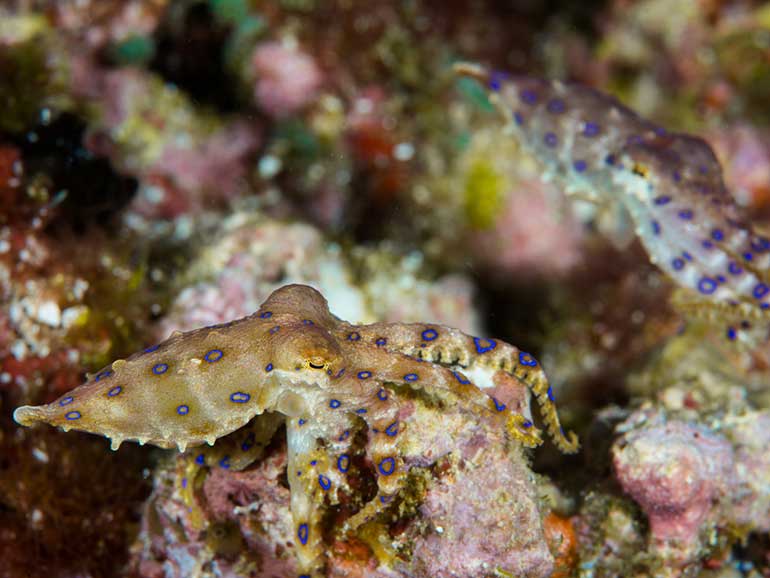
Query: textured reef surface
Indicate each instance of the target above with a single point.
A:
(320, 225)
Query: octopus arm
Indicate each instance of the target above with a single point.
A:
(451, 348)
(401, 371)
(192, 388)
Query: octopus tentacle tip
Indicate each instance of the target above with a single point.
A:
(471, 70)
(27, 415)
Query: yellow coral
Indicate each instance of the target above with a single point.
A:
(484, 194)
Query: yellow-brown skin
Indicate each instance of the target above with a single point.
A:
(293, 357)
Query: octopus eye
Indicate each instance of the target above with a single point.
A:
(640, 170)
(316, 364)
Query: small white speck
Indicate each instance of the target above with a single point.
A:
(269, 166)
(49, 313)
(439, 529)
(36, 516)
(5, 377)
(40, 455)
(403, 151)
(5, 246)
(19, 349)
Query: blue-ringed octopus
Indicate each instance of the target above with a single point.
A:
(669, 184)
(324, 378)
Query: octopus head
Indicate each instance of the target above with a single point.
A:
(310, 350)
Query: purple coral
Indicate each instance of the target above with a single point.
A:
(287, 78)
(678, 473)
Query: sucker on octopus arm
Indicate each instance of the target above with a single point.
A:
(670, 184)
(295, 359)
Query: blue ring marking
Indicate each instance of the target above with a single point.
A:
(343, 463)
(761, 290)
(707, 286)
(224, 463)
(66, 400)
(214, 355)
(526, 359)
(152, 348)
(354, 336)
(313, 462)
(103, 375)
(760, 244)
(302, 533)
(183, 409)
(184, 482)
(610, 159)
(304, 576)
(580, 165)
(274, 330)
(72, 415)
(324, 482)
(160, 368)
(429, 335)
(550, 394)
(498, 406)
(200, 460)
(764, 305)
(550, 139)
(340, 372)
(299, 473)
(677, 176)
(678, 264)
(556, 106)
(686, 255)
(248, 443)
(590, 129)
(461, 378)
(387, 466)
(380, 342)
(662, 200)
(266, 315)
(307, 322)
(361, 410)
(706, 244)
(717, 234)
(528, 96)
(301, 422)
(345, 435)
(239, 397)
(114, 391)
(526, 424)
(731, 333)
(269, 367)
(655, 228)
(721, 278)
(364, 374)
(411, 377)
(334, 403)
(518, 118)
(392, 429)
(481, 348)
(685, 215)
(748, 256)
(382, 394)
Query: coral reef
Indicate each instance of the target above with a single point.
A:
(167, 165)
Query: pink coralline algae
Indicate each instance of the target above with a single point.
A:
(680, 474)
(531, 236)
(287, 79)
